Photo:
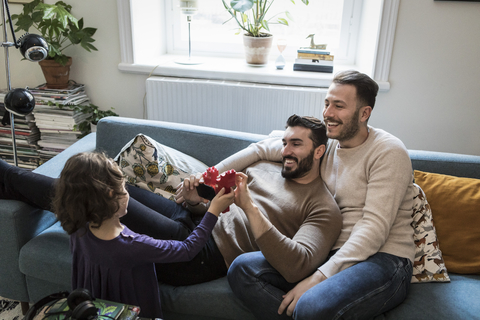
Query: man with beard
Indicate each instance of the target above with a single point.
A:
(282, 212)
(369, 173)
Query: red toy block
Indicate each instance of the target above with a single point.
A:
(225, 180)
(210, 177)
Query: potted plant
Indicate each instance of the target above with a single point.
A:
(60, 29)
(251, 18)
(90, 123)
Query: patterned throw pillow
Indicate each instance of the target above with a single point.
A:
(152, 166)
(428, 265)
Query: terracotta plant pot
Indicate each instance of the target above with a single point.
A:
(56, 75)
(257, 49)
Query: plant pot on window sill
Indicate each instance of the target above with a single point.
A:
(56, 75)
(257, 49)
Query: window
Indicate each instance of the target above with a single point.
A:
(152, 30)
(213, 32)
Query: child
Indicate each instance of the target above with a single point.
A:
(109, 259)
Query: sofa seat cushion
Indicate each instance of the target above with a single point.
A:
(211, 300)
(440, 301)
(47, 256)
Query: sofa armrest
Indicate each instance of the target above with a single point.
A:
(19, 223)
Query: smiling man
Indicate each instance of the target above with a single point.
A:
(283, 212)
(369, 173)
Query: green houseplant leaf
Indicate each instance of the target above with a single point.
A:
(241, 5)
(57, 26)
(250, 15)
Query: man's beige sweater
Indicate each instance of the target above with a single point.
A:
(373, 187)
(306, 223)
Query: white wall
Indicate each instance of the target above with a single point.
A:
(433, 103)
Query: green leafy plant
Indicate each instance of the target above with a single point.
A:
(57, 25)
(95, 114)
(250, 15)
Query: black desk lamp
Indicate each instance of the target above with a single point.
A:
(19, 102)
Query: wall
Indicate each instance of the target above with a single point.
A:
(433, 103)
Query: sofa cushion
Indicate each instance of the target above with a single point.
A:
(152, 166)
(428, 265)
(440, 301)
(455, 204)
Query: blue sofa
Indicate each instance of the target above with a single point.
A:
(35, 258)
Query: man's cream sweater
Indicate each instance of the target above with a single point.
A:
(373, 187)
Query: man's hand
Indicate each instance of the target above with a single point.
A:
(243, 198)
(291, 298)
(187, 190)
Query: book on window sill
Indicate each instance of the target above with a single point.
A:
(314, 62)
(314, 51)
(312, 68)
(328, 57)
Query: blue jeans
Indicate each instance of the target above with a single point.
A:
(362, 291)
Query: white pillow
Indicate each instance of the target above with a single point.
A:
(152, 166)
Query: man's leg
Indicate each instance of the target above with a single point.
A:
(258, 285)
(23, 185)
(362, 291)
(157, 217)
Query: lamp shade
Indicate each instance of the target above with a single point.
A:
(19, 102)
(189, 7)
(33, 47)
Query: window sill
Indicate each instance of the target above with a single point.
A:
(236, 69)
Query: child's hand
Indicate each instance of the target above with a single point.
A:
(221, 201)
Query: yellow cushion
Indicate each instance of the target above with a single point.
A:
(455, 204)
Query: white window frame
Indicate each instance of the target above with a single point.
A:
(349, 32)
(373, 59)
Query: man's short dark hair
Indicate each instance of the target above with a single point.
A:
(367, 88)
(318, 131)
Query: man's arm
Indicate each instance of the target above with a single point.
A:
(268, 149)
(259, 224)
(297, 257)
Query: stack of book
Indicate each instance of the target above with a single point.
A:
(315, 60)
(57, 118)
(26, 137)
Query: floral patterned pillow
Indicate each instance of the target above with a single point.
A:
(428, 265)
(152, 166)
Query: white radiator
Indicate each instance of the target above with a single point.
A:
(240, 106)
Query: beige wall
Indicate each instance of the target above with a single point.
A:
(433, 103)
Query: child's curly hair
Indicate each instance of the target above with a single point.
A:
(87, 191)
